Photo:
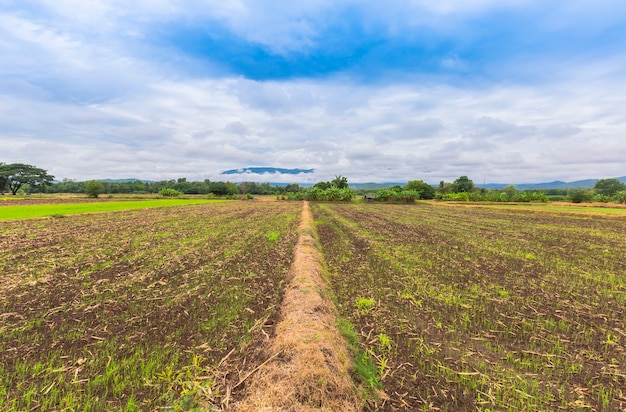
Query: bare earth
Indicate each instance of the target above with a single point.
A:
(307, 363)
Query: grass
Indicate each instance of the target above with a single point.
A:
(15, 212)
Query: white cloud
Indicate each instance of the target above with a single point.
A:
(83, 95)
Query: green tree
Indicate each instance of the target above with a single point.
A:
(16, 175)
(609, 187)
(322, 185)
(3, 180)
(94, 188)
(340, 182)
(463, 184)
(292, 187)
(425, 190)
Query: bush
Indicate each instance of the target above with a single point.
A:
(330, 194)
(169, 192)
(425, 190)
(392, 195)
(580, 196)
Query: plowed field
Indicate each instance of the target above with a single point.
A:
(482, 309)
(139, 310)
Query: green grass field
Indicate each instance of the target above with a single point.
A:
(15, 212)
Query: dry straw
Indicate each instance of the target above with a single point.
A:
(307, 364)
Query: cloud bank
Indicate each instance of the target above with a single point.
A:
(523, 92)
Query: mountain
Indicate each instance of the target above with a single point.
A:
(557, 184)
(263, 170)
(124, 180)
(374, 186)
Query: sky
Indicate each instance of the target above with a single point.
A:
(501, 91)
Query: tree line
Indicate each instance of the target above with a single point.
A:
(18, 177)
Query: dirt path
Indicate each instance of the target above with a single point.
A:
(307, 363)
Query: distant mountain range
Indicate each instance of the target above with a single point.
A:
(557, 184)
(263, 170)
(124, 180)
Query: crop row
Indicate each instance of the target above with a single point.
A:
(481, 309)
(136, 310)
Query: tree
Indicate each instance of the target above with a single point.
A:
(16, 175)
(340, 182)
(94, 188)
(425, 190)
(463, 184)
(3, 180)
(609, 187)
(292, 187)
(322, 185)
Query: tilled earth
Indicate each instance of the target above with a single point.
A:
(130, 309)
(484, 308)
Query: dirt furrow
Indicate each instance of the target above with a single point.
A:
(307, 363)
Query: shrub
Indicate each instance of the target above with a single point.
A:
(580, 196)
(391, 195)
(169, 192)
(330, 194)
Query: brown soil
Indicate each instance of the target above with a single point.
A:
(307, 362)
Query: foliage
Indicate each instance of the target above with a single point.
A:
(463, 184)
(425, 190)
(16, 175)
(182, 185)
(609, 187)
(94, 188)
(397, 195)
(580, 195)
(170, 192)
(340, 182)
(460, 196)
(331, 194)
(364, 305)
(363, 364)
(322, 185)
(3, 180)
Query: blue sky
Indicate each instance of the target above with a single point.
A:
(501, 91)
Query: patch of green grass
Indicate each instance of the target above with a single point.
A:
(62, 209)
(364, 366)
(364, 305)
